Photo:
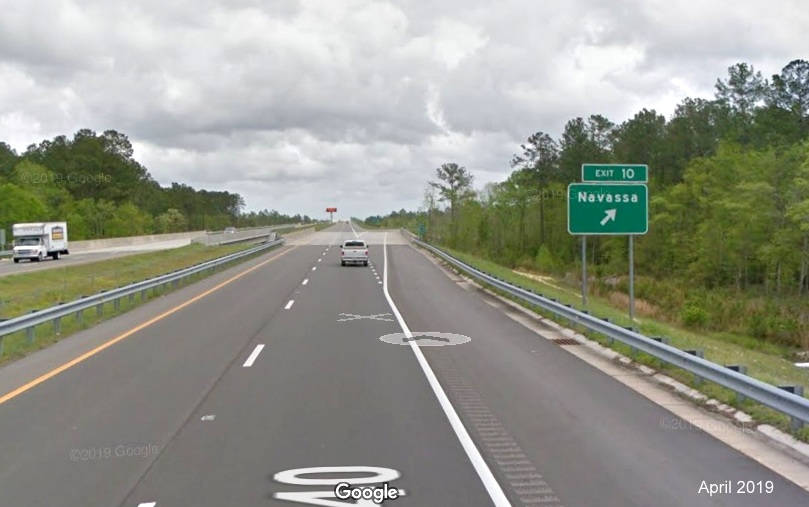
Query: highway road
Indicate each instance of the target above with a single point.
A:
(270, 382)
(8, 267)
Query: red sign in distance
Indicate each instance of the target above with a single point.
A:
(331, 210)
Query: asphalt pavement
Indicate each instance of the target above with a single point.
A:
(270, 383)
(8, 267)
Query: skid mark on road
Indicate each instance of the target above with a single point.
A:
(524, 481)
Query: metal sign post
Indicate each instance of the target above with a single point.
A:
(584, 271)
(631, 278)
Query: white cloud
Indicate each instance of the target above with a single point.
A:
(299, 105)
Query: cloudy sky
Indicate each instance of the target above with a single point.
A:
(302, 104)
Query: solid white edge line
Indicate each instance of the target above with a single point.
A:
(253, 356)
(485, 474)
(305, 282)
(150, 504)
(289, 305)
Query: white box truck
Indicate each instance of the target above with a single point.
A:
(39, 240)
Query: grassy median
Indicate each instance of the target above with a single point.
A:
(38, 290)
(764, 361)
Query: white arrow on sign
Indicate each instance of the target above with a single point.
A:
(610, 215)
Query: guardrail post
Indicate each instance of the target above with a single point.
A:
(174, 283)
(660, 339)
(632, 350)
(610, 339)
(117, 304)
(99, 310)
(569, 322)
(29, 332)
(1, 339)
(80, 313)
(797, 424)
(739, 368)
(700, 354)
(132, 297)
(57, 325)
(143, 295)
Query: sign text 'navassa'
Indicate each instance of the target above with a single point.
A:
(605, 197)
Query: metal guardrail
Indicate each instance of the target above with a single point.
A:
(797, 407)
(255, 238)
(236, 237)
(267, 227)
(55, 313)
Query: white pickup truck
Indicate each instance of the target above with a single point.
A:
(354, 251)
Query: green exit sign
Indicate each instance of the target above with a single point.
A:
(607, 208)
(620, 173)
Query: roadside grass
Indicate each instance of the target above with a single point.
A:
(764, 361)
(37, 290)
(321, 226)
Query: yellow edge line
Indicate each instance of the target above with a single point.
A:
(69, 364)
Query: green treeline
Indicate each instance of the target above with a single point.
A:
(728, 241)
(93, 182)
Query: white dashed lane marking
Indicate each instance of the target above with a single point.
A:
(252, 358)
(289, 305)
